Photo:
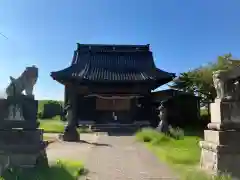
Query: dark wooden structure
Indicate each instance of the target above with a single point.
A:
(184, 107)
(111, 83)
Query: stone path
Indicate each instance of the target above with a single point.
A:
(70, 150)
(122, 158)
(112, 158)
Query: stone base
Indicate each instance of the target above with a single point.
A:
(20, 137)
(224, 126)
(42, 159)
(21, 148)
(18, 141)
(70, 134)
(28, 160)
(222, 137)
(221, 152)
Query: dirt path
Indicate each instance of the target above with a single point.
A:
(122, 158)
(111, 158)
(71, 150)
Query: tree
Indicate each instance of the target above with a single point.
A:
(199, 81)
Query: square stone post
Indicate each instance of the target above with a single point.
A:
(220, 150)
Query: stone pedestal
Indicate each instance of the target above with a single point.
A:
(21, 143)
(22, 148)
(221, 148)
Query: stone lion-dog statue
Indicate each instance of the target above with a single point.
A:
(25, 82)
(227, 84)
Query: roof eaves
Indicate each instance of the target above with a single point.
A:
(112, 47)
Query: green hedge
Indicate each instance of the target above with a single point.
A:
(48, 109)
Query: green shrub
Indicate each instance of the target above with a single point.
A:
(176, 133)
(160, 139)
(151, 135)
(180, 153)
(205, 118)
(57, 117)
(49, 108)
(204, 111)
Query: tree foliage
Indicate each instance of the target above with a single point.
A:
(199, 81)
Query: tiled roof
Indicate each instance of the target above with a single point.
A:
(113, 63)
(170, 94)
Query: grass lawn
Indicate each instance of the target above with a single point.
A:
(57, 126)
(61, 170)
(182, 155)
(52, 126)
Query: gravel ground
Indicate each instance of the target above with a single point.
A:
(109, 157)
(122, 158)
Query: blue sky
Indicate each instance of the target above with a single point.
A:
(183, 34)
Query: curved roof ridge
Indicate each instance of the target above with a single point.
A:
(117, 66)
(117, 45)
(112, 47)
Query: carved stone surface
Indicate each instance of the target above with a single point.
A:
(226, 83)
(214, 158)
(25, 82)
(15, 113)
(3, 109)
(224, 126)
(21, 147)
(163, 124)
(208, 160)
(222, 137)
(225, 112)
(21, 143)
(220, 148)
(21, 137)
(27, 110)
(26, 159)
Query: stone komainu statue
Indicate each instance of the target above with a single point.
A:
(163, 124)
(226, 83)
(26, 82)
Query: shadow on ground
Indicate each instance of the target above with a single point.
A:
(118, 131)
(48, 142)
(43, 173)
(95, 144)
